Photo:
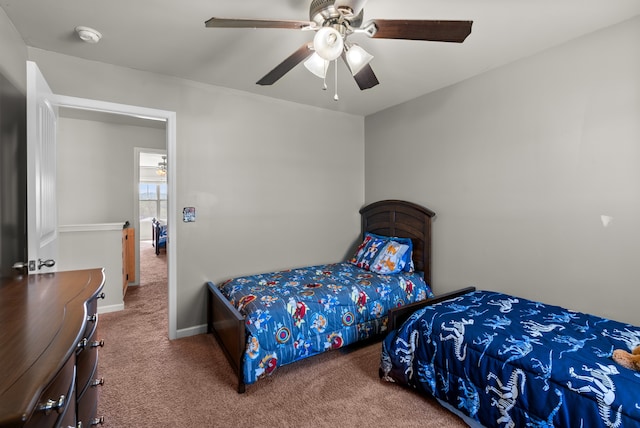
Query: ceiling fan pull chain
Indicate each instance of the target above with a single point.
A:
(335, 97)
(324, 77)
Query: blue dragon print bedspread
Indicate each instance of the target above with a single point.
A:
(511, 362)
(294, 314)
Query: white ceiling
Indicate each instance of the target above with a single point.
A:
(169, 37)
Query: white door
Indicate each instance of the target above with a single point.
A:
(42, 119)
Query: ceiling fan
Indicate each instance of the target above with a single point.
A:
(334, 21)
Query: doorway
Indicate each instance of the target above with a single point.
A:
(168, 120)
(151, 213)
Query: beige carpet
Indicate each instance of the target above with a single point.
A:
(153, 382)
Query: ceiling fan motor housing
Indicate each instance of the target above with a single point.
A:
(323, 12)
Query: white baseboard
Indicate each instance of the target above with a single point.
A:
(111, 308)
(185, 332)
(191, 331)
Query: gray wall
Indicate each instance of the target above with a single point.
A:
(520, 164)
(96, 173)
(270, 190)
(13, 53)
(97, 168)
(13, 155)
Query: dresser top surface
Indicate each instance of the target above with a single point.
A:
(41, 320)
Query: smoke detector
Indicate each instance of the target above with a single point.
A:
(88, 35)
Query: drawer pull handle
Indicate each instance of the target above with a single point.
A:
(83, 343)
(98, 382)
(97, 421)
(57, 405)
(97, 343)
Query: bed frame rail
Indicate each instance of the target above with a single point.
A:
(397, 316)
(227, 325)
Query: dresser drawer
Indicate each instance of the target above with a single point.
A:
(87, 364)
(88, 381)
(87, 395)
(92, 317)
(88, 404)
(57, 404)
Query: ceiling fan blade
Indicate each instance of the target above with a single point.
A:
(258, 23)
(366, 78)
(285, 66)
(354, 5)
(429, 30)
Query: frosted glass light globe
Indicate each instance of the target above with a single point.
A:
(328, 43)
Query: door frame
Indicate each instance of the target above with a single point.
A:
(169, 118)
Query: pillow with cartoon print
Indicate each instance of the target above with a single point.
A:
(388, 254)
(368, 250)
(391, 259)
(407, 258)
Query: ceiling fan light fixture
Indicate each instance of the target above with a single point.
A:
(317, 65)
(328, 43)
(357, 58)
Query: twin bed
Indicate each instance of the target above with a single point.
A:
(159, 235)
(265, 321)
(500, 360)
(491, 358)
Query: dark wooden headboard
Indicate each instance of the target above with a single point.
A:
(405, 220)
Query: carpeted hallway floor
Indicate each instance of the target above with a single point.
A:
(153, 382)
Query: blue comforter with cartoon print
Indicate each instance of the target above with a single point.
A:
(294, 314)
(511, 362)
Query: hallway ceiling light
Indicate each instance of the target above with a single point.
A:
(161, 170)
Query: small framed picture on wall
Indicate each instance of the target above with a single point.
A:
(188, 214)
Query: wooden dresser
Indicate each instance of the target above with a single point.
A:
(49, 349)
(128, 258)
